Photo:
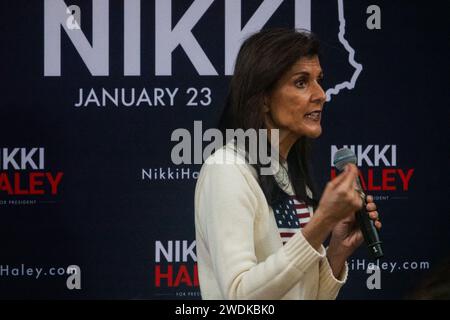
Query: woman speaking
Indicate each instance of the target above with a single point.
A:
(261, 236)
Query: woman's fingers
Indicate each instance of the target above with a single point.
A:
(338, 180)
(371, 206)
(346, 188)
(374, 216)
(349, 181)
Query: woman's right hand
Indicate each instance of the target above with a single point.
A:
(340, 199)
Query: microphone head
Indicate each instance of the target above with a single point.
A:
(342, 157)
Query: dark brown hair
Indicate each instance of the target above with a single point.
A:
(263, 59)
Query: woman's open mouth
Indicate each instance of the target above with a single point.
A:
(315, 115)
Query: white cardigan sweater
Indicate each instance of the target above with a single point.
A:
(239, 249)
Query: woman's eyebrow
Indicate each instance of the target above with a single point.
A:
(306, 73)
(301, 72)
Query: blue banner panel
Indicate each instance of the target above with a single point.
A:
(92, 205)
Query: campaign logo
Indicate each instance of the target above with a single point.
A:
(170, 34)
(169, 173)
(24, 178)
(175, 271)
(379, 171)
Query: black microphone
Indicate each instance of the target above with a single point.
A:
(342, 157)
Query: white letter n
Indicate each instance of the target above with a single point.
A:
(96, 57)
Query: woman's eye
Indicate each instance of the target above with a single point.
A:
(300, 83)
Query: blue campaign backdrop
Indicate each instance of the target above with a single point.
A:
(91, 183)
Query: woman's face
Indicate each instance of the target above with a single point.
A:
(295, 104)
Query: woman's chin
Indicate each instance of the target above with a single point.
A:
(315, 134)
(311, 132)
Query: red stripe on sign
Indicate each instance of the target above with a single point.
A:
(303, 215)
(300, 206)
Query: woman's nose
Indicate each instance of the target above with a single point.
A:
(318, 95)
